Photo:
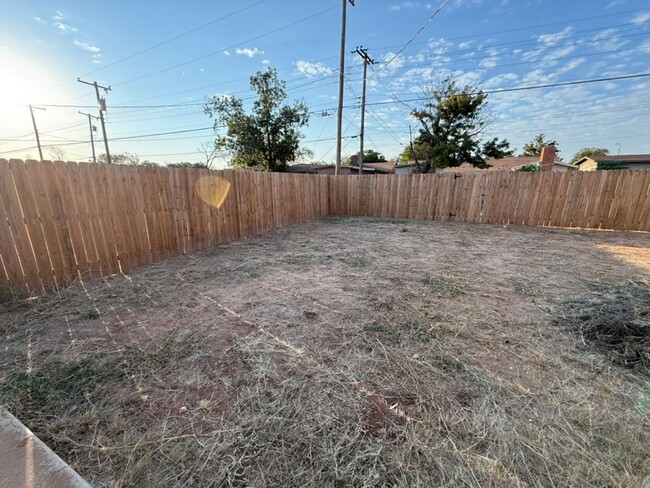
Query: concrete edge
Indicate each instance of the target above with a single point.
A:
(27, 462)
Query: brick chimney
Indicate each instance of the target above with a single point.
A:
(547, 158)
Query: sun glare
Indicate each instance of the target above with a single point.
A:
(27, 83)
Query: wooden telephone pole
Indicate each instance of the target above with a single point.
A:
(339, 118)
(92, 129)
(366, 61)
(38, 139)
(101, 102)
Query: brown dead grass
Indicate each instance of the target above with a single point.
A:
(344, 352)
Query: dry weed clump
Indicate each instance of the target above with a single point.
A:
(615, 319)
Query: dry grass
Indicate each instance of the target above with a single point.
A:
(439, 356)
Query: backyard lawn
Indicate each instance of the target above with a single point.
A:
(349, 352)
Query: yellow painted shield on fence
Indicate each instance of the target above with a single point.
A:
(212, 190)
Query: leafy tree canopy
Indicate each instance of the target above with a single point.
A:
(269, 136)
(188, 165)
(529, 168)
(120, 158)
(452, 119)
(589, 151)
(534, 147)
(369, 156)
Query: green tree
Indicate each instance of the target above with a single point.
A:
(120, 158)
(369, 156)
(269, 136)
(188, 165)
(589, 151)
(529, 168)
(452, 119)
(534, 147)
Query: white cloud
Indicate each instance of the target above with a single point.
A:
(313, 69)
(559, 53)
(64, 27)
(86, 47)
(251, 53)
(608, 40)
(39, 20)
(266, 61)
(571, 65)
(488, 63)
(226, 52)
(395, 64)
(439, 46)
(58, 15)
(555, 38)
(641, 18)
(645, 46)
(615, 3)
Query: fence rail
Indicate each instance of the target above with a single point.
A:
(618, 200)
(60, 221)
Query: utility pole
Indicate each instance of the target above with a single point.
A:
(339, 122)
(92, 129)
(38, 140)
(366, 61)
(101, 102)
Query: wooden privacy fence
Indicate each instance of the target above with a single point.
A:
(617, 200)
(60, 221)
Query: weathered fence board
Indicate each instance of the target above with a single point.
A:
(618, 200)
(60, 221)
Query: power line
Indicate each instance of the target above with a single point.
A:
(233, 46)
(535, 87)
(529, 40)
(415, 35)
(162, 43)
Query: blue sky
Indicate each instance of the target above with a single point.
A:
(163, 58)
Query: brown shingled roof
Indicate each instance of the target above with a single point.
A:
(388, 167)
(504, 164)
(623, 158)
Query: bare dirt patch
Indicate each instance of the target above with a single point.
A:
(345, 352)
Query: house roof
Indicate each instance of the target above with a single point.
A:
(503, 164)
(307, 168)
(621, 158)
(386, 167)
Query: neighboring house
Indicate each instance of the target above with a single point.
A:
(546, 161)
(345, 169)
(308, 168)
(627, 161)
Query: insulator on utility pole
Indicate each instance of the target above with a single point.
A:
(366, 61)
(339, 121)
(101, 102)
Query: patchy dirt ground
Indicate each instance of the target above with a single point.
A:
(344, 352)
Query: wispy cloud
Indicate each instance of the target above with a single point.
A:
(641, 18)
(39, 20)
(64, 27)
(615, 3)
(313, 69)
(645, 46)
(266, 61)
(251, 53)
(555, 38)
(86, 47)
(226, 52)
